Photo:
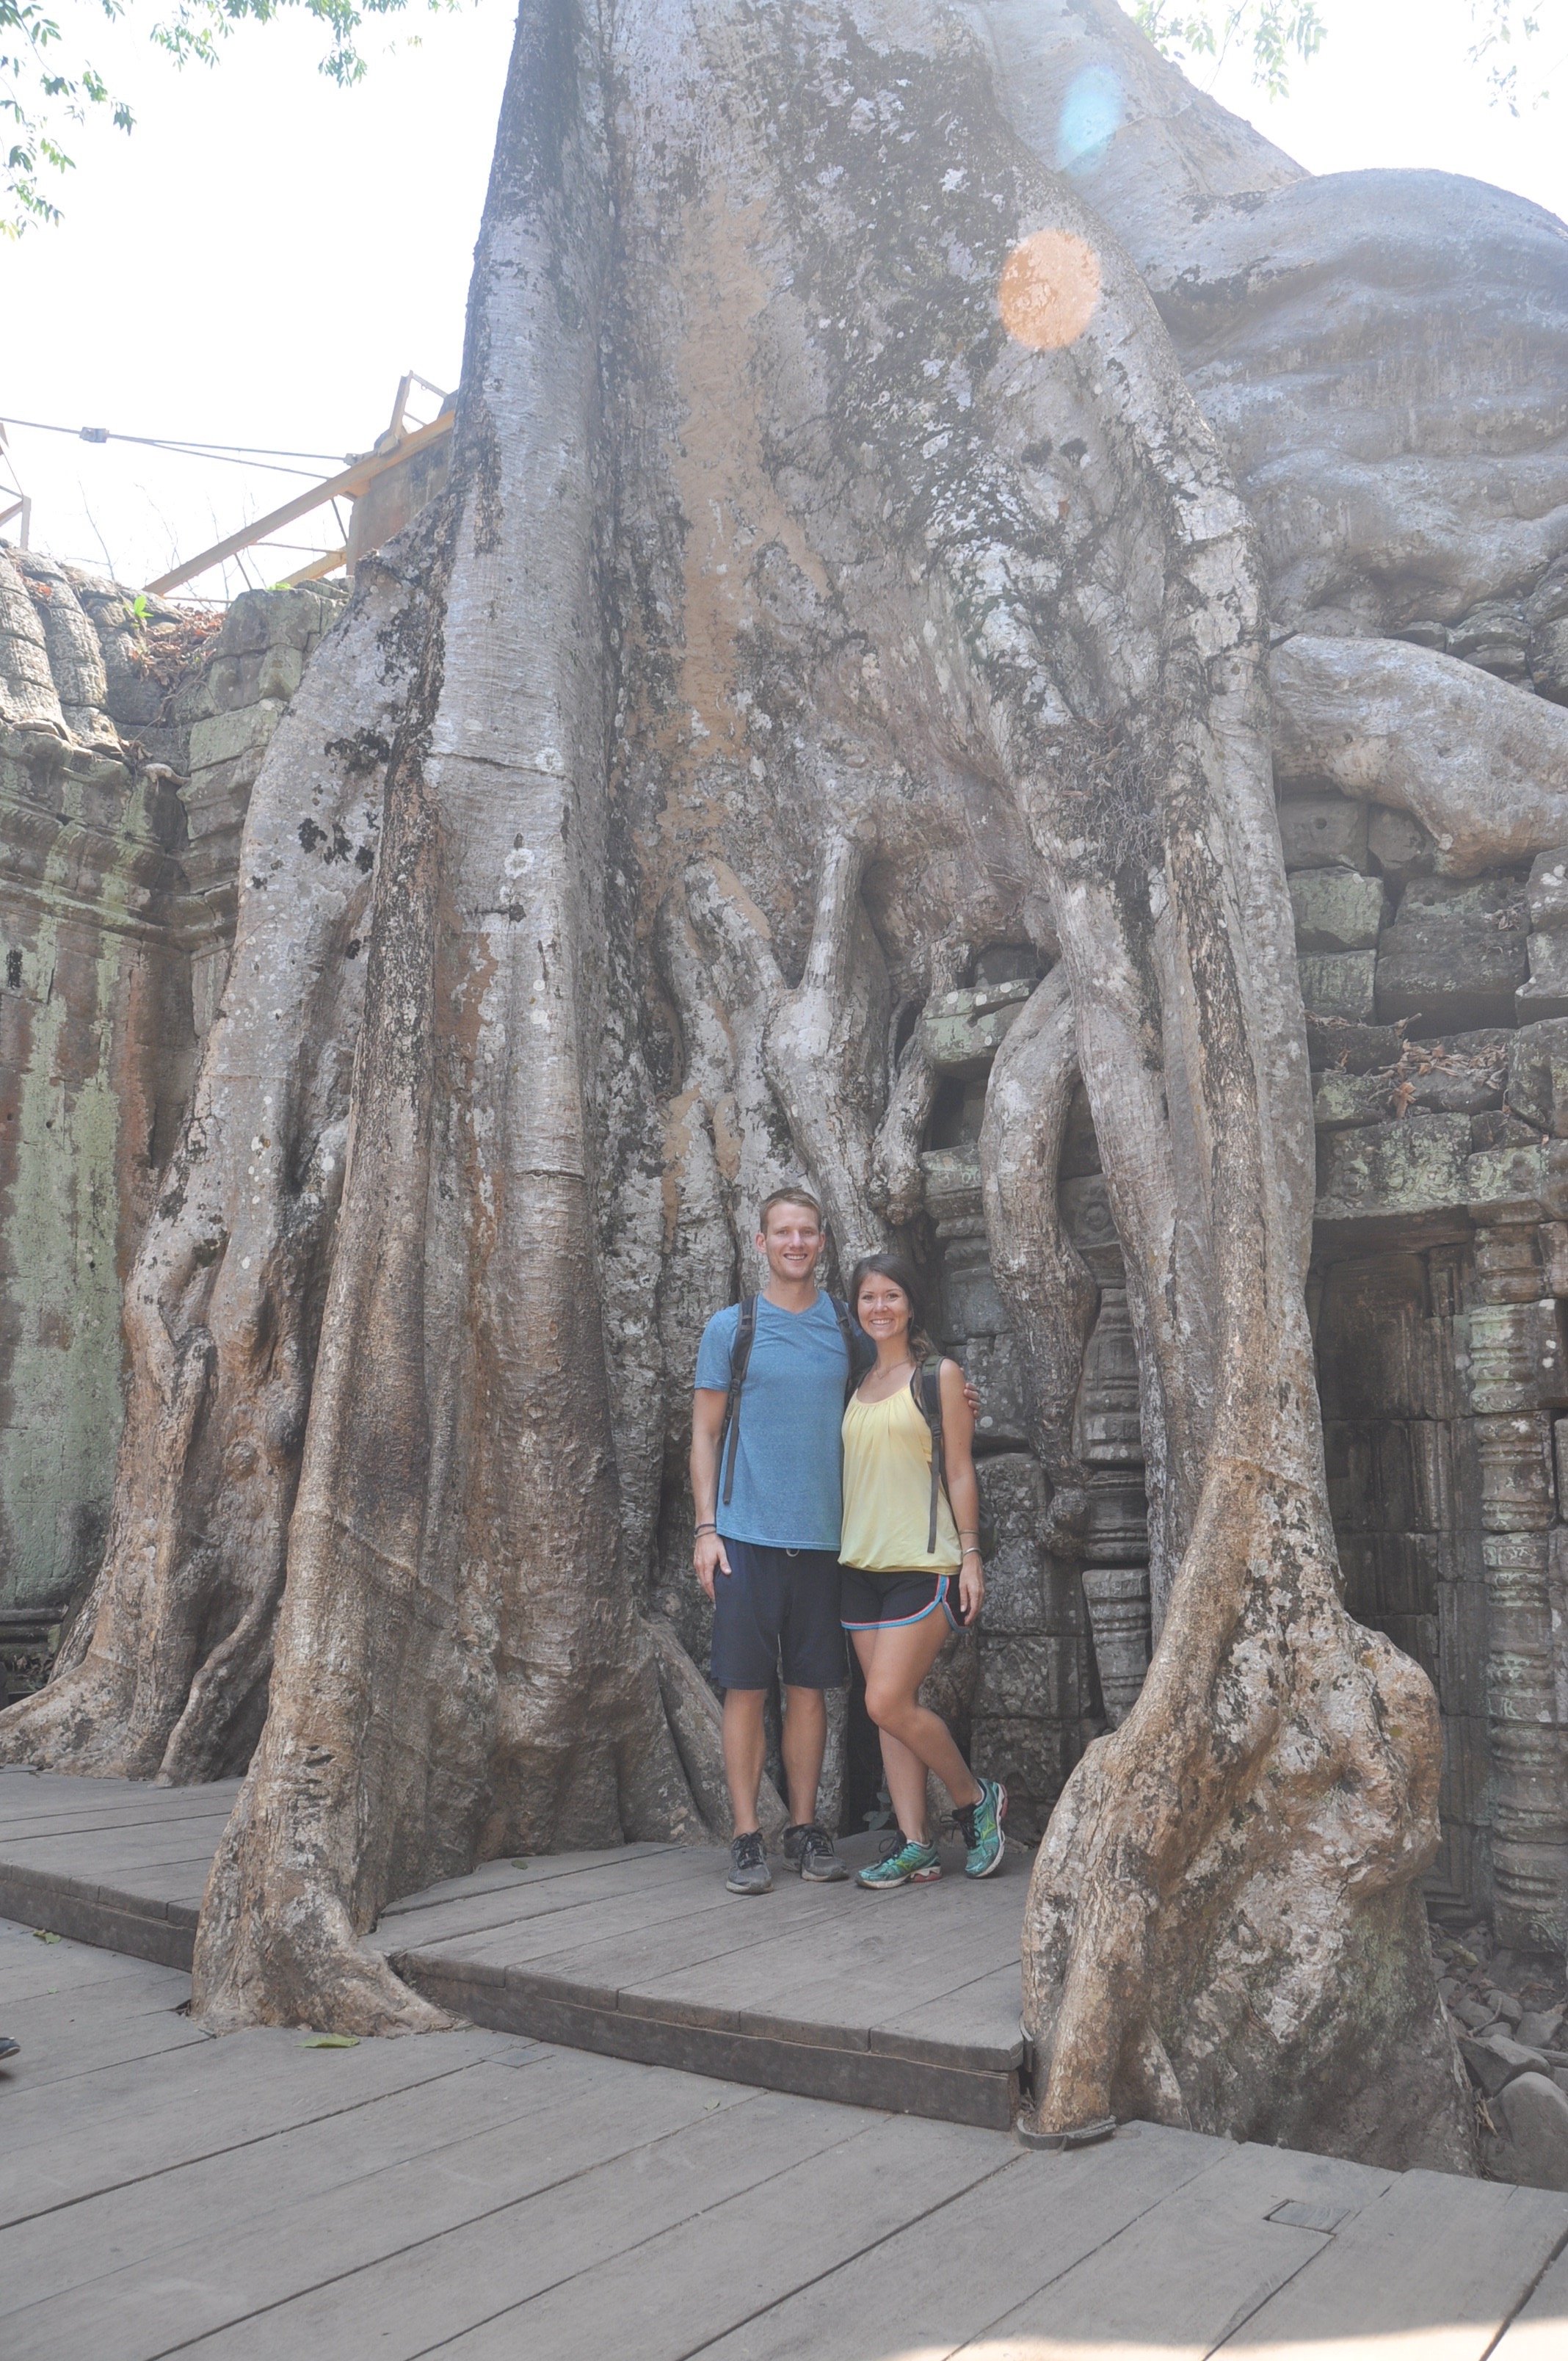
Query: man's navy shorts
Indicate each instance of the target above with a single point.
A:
(776, 1610)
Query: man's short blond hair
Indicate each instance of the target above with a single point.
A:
(789, 1197)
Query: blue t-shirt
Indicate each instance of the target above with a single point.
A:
(788, 1490)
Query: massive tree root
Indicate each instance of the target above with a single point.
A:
(485, 1681)
(811, 1042)
(1224, 1908)
(167, 1671)
(1225, 1931)
(1482, 767)
(1141, 772)
(1048, 1287)
(1220, 1870)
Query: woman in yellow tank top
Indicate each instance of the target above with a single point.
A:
(910, 1576)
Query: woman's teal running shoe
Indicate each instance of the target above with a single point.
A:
(903, 1862)
(982, 1825)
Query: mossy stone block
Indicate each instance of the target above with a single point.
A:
(1415, 1166)
(223, 737)
(1339, 984)
(1537, 1075)
(1336, 910)
(1545, 995)
(1342, 1100)
(1547, 892)
(1455, 956)
(964, 1030)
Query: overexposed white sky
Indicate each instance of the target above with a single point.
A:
(258, 262)
(263, 257)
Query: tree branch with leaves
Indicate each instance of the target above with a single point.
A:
(1275, 32)
(47, 82)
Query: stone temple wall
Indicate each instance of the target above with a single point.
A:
(128, 743)
(1437, 1022)
(1440, 1271)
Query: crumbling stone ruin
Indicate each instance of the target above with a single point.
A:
(1015, 629)
(1437, 1024)
(131, 732)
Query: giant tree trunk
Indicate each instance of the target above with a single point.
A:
(836, 569)
(394, 1410)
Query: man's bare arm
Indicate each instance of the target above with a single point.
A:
(707, 1425)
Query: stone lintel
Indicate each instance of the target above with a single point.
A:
(963, 1030)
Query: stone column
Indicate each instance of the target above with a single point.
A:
(1027, 1699)
(1108, 1438)
(1516, 1372)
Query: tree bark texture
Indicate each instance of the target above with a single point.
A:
(839, 574)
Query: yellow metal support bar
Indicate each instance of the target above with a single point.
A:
(317, 569)
(348, 485)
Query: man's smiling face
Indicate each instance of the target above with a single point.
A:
(790, 1243)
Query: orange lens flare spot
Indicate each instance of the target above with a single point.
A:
(1050, 285)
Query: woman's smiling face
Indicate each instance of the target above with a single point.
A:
(882, 1308)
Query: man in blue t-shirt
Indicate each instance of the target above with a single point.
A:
(768, 1555)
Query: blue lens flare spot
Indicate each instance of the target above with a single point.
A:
(1090, 118)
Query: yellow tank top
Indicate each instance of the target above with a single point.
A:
(887, 1492)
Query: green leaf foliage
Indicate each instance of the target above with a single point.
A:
(1280, 33)
(331, 2041)
(1499, 24)
(1275, 32)
(42, 87)
(48, 82)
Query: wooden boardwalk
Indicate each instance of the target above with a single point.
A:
(488, 2193)
(908, 2000)
(110, 1860)
(482, 2195)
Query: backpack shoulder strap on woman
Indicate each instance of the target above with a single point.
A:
(740, 1360)
(926, 1385)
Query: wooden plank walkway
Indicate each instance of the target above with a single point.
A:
(110, 1860)
(907, 2001)
(484, 2195)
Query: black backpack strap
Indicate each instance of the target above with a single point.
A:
(740, 1360)
(854, 1349)
(926, 1385)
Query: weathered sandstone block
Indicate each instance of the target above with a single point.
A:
(1336, 910)
(1340, 984)
(1454, 956)
(1323, 832)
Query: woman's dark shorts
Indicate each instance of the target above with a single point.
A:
(881, 1602)
(776, 1610)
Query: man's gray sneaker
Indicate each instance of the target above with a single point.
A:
(808, 1846)
(748, 1871)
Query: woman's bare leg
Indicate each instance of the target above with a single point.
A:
(904, 1771)
(905, 1776)
(914, 1739)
